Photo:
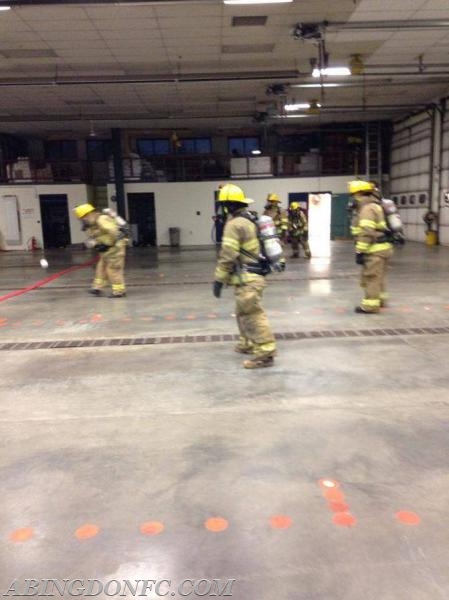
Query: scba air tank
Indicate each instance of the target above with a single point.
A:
(269, 238)
(392, 215)
(111, 213)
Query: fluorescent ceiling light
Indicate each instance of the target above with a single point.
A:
(316, 85)
(256, 152)
(291, 116)
(256, 1)
(302, 105)
(5, 8)
(331, 71)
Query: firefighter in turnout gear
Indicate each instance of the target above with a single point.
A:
(298, 230)
(238, 265)
(372, 244)
(104, 235)
(274, 210)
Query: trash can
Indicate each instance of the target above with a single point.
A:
(431, 238)
(174, 234)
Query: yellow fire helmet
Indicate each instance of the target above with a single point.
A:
(83, 209)
(358, 186)
(273, 197)
(294, 206)
(232, 193)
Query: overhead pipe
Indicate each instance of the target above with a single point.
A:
(152, 79)
(356, 81)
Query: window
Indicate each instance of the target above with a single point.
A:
(422, 198)
(195, 146)
(242, 146)
(412, 200)
(146, 147)
(61, 150)
(395, 200)
(403, 200)
(98, 149)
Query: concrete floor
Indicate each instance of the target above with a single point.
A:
(178, 433)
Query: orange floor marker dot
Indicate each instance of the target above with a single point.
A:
(191, 317)
(334, 495)
(281, 522)
(216, 524)
(337, 507)
(212, 316)
(344, 519)
(170, 318)
(408, 518)
(96, 318)
(87, 531)
(151, 528)
(21, 535)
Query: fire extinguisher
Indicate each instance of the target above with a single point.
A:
(33, 244)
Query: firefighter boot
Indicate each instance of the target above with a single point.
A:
(243, 350)
(362, 311)
(259, 362)
(95, 292)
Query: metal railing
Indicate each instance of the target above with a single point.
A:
(175, 168)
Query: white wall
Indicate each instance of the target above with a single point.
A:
(176, 204)
(410, 172)
(411, 176)
(30, 214)
(444, 205)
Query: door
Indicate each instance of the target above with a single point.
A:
(55, 220)
(219, 218)
(340, 220)
(142, 219)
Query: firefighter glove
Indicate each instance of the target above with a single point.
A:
(102, 247)
(217, 287)
(387, 237)
(360, 258)
(398, 238)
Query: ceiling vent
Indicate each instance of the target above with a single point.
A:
(28, 53)
(249, 21)
(247, 48)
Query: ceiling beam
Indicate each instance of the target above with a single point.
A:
(398, 24)
(355, 109)
(19, 3)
